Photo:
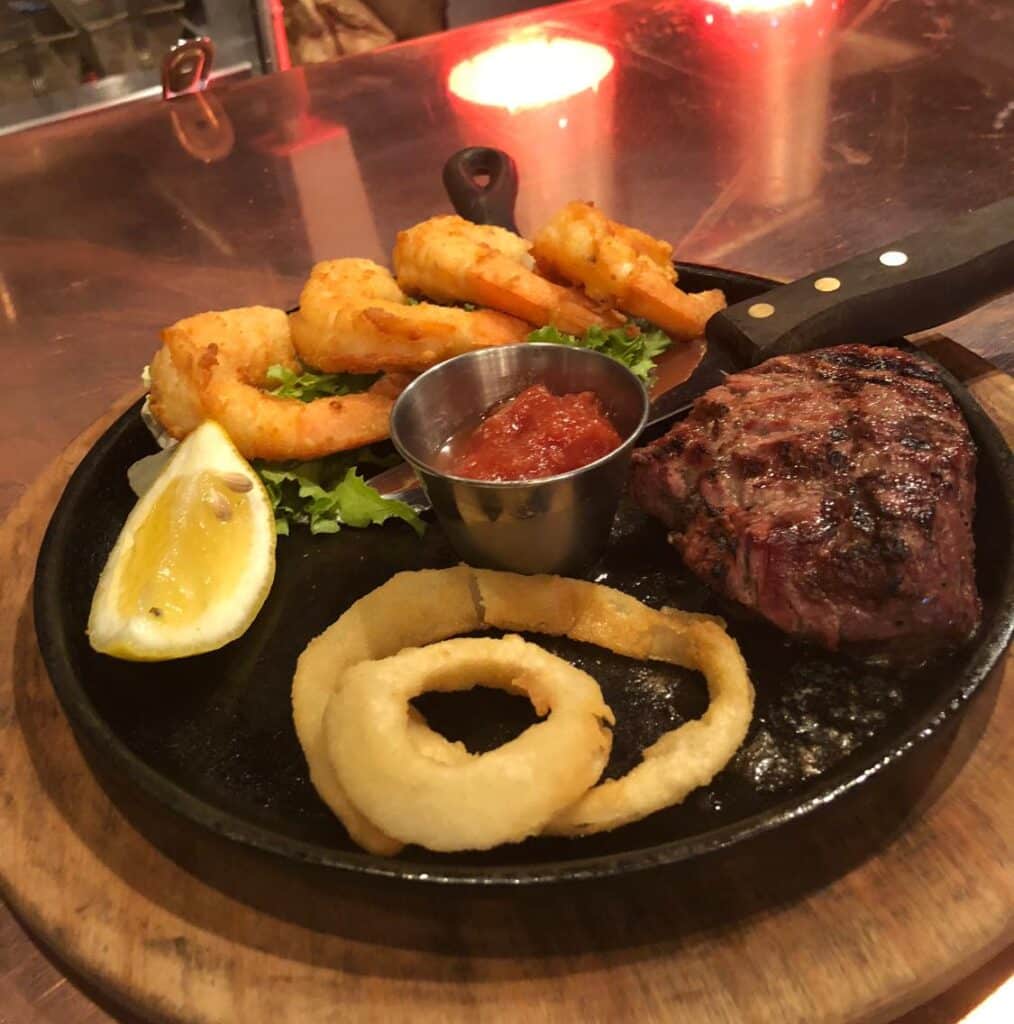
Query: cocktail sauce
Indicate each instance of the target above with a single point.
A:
(534, 435)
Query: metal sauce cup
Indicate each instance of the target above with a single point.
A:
(558, 524)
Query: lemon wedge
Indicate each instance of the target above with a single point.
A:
(194, 561)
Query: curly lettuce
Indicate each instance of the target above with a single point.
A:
(309, 385)
(635, 346)
(327, 494)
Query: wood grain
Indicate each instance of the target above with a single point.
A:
(179, 925)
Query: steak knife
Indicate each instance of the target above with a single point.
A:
(910, 285)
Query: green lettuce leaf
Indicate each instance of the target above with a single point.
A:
(636, 349)
(308, 385)
(329, 493)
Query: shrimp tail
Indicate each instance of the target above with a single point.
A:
(679, 313)
(623, 266)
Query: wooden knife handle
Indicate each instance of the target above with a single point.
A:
(910, 285)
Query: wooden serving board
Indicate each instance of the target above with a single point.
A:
(179, 925)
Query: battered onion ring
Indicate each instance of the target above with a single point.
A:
(680, 760)
(360, 828)
(413, 609)
(685, 758)
(409, 610)
(483, 800)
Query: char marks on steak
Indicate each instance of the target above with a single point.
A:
(833, 493)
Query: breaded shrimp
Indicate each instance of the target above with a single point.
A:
(254, 337)
(263, 426)
(353, 317)
(221, 360)
(452, 260)
(622, 266)
(173, 400)
(257, 337)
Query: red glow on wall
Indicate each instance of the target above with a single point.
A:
(527, 73)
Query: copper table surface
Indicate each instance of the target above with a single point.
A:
(774, 142)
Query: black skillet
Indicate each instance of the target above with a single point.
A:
(211, 738)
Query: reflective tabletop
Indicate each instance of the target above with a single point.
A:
(771, 136)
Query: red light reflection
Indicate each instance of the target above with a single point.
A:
(502, 76)
(760, 6)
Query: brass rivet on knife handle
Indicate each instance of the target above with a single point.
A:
(894, 258)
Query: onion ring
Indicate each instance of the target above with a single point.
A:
(410, 609)
(359, 827)
(483, 800)
(413, 609)
(684, 758)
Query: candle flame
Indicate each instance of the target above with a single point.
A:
(527, 73)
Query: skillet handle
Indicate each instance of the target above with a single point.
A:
(491, 203)
(911, 285)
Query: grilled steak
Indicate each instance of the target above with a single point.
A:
(832, 492)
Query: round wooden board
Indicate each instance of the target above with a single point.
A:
(861, 925)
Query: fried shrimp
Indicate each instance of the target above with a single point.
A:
(264, 426)
(173, 400)
(218, 362)
(452, 260)
(254, 336)
(622, 266)
(353, 317)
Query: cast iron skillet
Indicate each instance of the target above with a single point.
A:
(211, 738)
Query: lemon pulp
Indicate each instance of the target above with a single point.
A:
(191, 549)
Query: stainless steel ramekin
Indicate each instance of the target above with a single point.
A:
(558, 524)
